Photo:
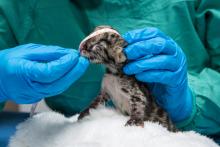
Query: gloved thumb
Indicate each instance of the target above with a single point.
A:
(46, 72)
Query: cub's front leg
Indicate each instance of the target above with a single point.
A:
(137, 111)
(100, 99)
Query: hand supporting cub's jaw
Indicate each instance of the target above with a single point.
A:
(32, 72)
(157, 59)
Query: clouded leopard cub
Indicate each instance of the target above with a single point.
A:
(131, 97)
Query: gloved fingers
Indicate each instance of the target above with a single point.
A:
(143, 34)
(50, 71)
(38, 48)
(60, 85)
(44, 53)
(155, 76)
(152, 46)
(173, 79)
(159, 62)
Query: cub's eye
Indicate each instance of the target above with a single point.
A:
(90, 48)
(92, 58)
(112, 35)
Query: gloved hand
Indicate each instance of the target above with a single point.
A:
(31, 72)
(156, 59)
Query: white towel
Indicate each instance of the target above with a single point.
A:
(103, 128)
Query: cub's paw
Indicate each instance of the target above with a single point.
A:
(83, 114)
(135, 122)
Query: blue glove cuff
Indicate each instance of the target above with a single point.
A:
(184, 107)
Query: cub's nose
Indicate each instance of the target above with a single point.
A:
(82, 51)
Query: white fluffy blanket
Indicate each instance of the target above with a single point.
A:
(103, 128)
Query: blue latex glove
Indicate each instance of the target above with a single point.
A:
(156, 59)
(31, 72)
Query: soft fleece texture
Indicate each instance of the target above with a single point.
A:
(103, 128)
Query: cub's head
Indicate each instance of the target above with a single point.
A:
(104, 45)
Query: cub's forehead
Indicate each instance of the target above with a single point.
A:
(97, 35)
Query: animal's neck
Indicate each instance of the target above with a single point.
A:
(115, 69)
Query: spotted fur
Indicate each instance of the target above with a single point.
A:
(130, 96)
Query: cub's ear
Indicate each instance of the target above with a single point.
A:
(119, 55)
